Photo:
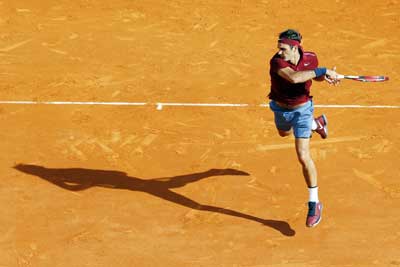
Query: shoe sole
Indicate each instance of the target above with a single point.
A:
(325, 119)
(326, 125)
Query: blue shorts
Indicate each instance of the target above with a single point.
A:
(300, 119)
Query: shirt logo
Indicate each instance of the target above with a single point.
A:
(306, 64)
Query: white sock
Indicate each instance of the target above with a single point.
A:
(313, 194)
(314, 125)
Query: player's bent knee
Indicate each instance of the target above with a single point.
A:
(284, 133)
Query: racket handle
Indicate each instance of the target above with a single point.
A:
(340, 76)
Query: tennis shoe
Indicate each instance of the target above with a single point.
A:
(314, 214)
(322, 126)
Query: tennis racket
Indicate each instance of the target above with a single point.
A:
(365, 78)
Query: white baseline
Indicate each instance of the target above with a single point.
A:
(160, 105)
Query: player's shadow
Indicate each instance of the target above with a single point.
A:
(77, 179)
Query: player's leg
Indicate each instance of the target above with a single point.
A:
(310, 175)
(302, 131)
(302, 124)
(307, 164)
(284, 133)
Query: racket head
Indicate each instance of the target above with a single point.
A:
(371, 78)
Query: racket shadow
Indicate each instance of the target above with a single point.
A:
(78, 179)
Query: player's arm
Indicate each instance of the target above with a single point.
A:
(319, 79)
(318, 74)
(296, 76)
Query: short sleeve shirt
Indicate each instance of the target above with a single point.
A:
(284, 91)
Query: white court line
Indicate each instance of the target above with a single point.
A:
(347, 106)
(204, 104)
(73, 103)
(355, 106)
(160, 105)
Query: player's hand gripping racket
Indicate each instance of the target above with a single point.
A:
(364, 78)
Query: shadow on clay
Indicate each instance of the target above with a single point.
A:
(78, 179)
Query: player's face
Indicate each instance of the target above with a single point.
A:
(285, 51)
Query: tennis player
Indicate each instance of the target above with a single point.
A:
(292, 70)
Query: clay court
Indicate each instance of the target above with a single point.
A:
(103, 183)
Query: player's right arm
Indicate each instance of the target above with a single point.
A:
(302, 76)
(296, 76)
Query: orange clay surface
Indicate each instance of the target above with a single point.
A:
(86, 185)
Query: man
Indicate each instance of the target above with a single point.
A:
(292, 71)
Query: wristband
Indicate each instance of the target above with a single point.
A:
(319, 72)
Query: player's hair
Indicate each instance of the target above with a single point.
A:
(290, 34)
